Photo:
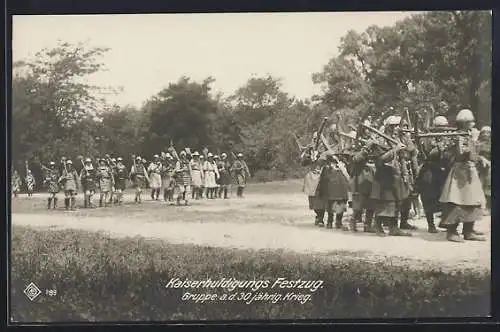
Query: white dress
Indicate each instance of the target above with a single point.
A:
(211, 173)
(155, 175)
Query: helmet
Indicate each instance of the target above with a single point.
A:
(138, 158)
(486, 129)
(52, 163)
(223, 155)
(216, 157)
(392, 120)
(440, 121)
(240, 154)
(88, 160)
(465, 115)
(69, 162)
(102, 161)
(169, 155)
(156, 156)
(183, 153)
(144, 160)
(196, 154)
(113, 159)
(202, 157)
(119, 159)
(210, 155)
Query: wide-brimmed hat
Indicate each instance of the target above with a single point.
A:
(196, 154)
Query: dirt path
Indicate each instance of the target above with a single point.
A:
(289, 234)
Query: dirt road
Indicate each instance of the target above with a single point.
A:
(260, 221)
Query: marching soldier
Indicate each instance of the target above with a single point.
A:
(16, 183)
(52, 181)
(168, 178)
(139, 176)
(363, 169)
(432, 175)
(106, 182)
(463, 195)
(202, 187)
(120, 180)
(197, 175)
(210, 175)
(70, 179)
(30, 183)
(154, 170)
(223, 167)
(241, 173)
(390, 186)
(333, 188)
(183, 178)
(112, 167)
(309, 158)
(484, 164)
(409, 162)
(88, 177)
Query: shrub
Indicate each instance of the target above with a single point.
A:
(99, 278)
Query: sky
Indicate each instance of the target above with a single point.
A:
(147, 52)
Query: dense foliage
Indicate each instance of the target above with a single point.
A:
(433, 63)
(124, 280)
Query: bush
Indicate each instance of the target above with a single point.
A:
(104, 279)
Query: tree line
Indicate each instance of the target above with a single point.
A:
(432, 63)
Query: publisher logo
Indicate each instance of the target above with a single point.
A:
(32, 291)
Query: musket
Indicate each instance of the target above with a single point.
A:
(27, 167)
(390, 139)
(320, 132)
(443, 128)
(457, 133)
(364, 141)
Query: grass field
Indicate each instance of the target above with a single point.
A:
(112, 263)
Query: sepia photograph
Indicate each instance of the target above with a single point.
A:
(250, 166)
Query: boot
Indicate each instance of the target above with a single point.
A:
(452, 234)
(338, 221)
(85, 201)
(379, 229)
(353, 225)
(405, 211)
(469, 235)
(395, 231)
(368, 225)
(220, 192)
(55, 202)
(329, 223)
(193, 194)
(153, 194)
(49, 202)
(225, 193)
(431, 228)
(165, 195)
(320, 214)
(242, 189)
(73, 203)
(100, 202)
(66, 203)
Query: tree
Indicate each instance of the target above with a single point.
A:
(184, 113)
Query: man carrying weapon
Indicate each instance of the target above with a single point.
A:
(484, 164)
(183, 178)
(168, 178)
(16, 183)
(30, 181)
(432, 174)
(311, 182)
(106, 182)
(52, 182)
(139, 176)
(363, 174)
(88, 177)
(241, 173)
(154, 171)
(391, 185)
(121, 175)
(70, 180)
(223, 166)
(463, 195)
